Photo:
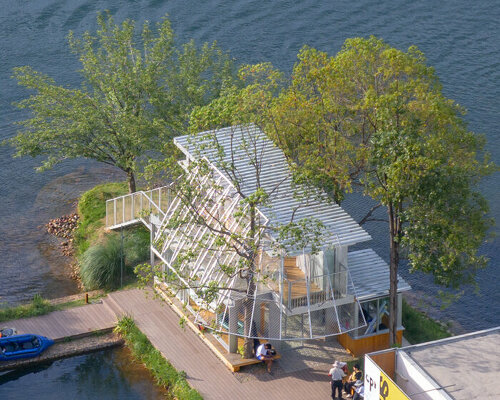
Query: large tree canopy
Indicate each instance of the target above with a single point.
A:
(374, 118)
(135, 96)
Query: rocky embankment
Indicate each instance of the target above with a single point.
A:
(63, 227)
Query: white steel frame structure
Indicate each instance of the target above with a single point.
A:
(297, 294)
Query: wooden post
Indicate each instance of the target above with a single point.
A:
(86, 298)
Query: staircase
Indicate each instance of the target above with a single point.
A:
(133, 208)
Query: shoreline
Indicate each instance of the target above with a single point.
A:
(425, 304)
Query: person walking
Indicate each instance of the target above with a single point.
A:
(337, 374)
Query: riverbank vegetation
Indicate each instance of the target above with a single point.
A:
(101, 253)
(419, 328)
(92, 211)
(164, 373)
(38, 306)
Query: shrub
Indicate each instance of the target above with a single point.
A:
(100, 265)
(136, 244)
(420, 328)
(165, 374)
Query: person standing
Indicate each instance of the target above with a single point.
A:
(337, 374)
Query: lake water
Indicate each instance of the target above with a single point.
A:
(460, 38)
(105, 375)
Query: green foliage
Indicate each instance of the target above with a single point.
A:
(136, 95)
(374, 119)
(92, 210)
(100, 265)
(419, 328)
(37, 307)
(164, 373)
(136, 245)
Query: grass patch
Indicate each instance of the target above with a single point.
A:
(99, 252)
(92, 210)
(165, 374)
(420, 328)
(38, 306)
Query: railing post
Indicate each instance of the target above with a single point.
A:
(132, 216)
(289, 295)
(114, 211)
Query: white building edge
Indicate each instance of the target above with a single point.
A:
(303, 295)
(459, 368)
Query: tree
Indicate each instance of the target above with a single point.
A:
(373, 118)
(133, 99)
(215, 234)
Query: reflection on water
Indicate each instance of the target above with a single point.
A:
(110, 374)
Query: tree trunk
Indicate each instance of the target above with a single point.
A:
(131, 181)
(251, 287)
(394, 234)
(248, 342)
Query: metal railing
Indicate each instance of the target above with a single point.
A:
(134, 207)
(317, 290)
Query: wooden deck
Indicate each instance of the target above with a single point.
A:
(73, 322)
(297, 276)
(207, 374)
(300, 374)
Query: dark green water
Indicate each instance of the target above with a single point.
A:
(106, 375)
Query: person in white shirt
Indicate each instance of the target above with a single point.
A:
(360, 391)
(337, 374)
(263, 354)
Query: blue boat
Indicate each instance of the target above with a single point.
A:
(23, 346)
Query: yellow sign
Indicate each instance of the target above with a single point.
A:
(389, 391)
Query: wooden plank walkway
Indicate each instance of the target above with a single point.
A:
(73, 322)
(205, 372)
(297, 376)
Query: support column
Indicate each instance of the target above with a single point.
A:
(233, 326)
(274, 324)
(400, 310)
(151, 240)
